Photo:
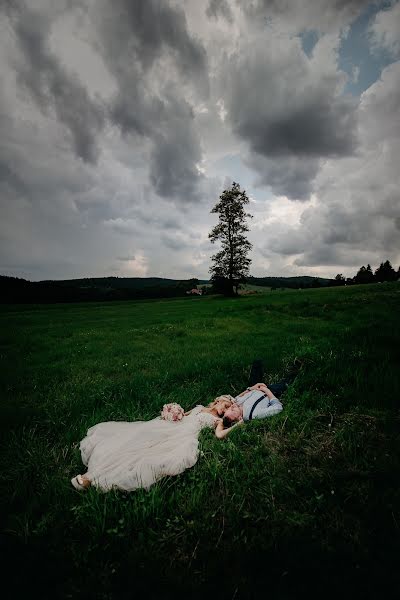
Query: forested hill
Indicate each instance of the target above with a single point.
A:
(303, 281)
(16, 290)
(121, 282)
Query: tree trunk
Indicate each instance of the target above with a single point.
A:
(231, 291)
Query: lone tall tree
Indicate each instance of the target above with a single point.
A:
(231, 264)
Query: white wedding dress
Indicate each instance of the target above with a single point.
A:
(130, 455)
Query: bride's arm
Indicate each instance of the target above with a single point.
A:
(221, 432)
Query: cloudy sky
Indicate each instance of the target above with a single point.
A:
(122, 121)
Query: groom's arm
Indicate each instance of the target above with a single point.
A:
(257, 387)
(270, 394)
(272, 410)
(274, 407)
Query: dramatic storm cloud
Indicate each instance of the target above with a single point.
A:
(50, 85)
(122, 122)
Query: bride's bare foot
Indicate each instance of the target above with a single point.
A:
(80, 482)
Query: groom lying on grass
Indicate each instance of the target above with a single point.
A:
(257, 402)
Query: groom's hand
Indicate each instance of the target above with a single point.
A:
(258, 386)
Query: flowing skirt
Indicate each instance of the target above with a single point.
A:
(131, 455)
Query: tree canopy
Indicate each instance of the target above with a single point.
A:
(364, 275)
(231, 264)
(385, 272)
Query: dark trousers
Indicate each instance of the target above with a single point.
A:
(277, 389)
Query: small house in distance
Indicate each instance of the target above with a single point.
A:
(195, 291)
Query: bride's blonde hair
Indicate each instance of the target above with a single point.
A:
(223, 398)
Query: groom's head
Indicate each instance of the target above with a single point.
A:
(232, 415)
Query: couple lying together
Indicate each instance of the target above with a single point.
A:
(129, 455)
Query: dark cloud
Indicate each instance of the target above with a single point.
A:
(150, 28)
(174, 243)
(33, 164)
(289, 110)
(317, 127)
(282, 108)
(352, 225)
(180, 240)
(137, 219)
(11, 179)
(51, 86)
(175, 154)
(162, 221)
(42, 269)
(134, 110)
(173, 170)
(128, 227)
(219, 8)
(287, 176)
(152, 56)
(335, 255)
(285, 241)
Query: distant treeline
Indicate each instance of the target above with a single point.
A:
(97, 289)
(301, 281)
(16, 290)
(385, 272)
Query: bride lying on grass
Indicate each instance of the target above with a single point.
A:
(130, 455)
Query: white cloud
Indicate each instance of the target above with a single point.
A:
(289, 18)
(385, 30)
(356, 215)
(135, 267)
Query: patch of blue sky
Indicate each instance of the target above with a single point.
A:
(233, 167)
(308, 40)
(356, 57)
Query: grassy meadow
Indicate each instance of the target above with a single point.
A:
(306, 502)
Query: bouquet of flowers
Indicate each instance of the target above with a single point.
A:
(172, 412)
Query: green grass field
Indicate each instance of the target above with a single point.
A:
(306, 502)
